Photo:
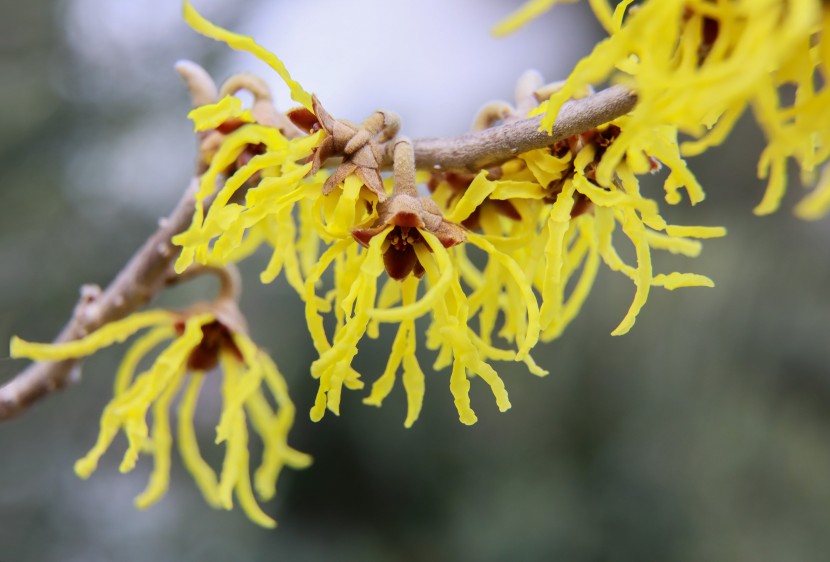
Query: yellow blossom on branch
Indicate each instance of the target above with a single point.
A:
(282, 181)
(258, 153)
(410, 238)
(697, 65)
(577, 212)
(546, 217)
(278, 172)
(502, 253)
(198, 341)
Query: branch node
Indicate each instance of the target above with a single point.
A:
(163, 249)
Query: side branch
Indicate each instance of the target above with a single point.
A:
(140, 280)
(482, 149)
(147, 272)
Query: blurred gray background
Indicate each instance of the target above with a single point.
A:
(701, 435)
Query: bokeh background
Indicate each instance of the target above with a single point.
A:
(701, 435)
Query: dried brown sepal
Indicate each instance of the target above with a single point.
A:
(215, 338)
(407, 215)
(360, 146)
(709, 32)
(218, 334)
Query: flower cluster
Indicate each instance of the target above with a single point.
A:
(487, 258)
(200, 338)
(697, 65)
(489, 262)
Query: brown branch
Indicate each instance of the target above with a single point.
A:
(147, 271)
(482, 149)
(230, 281)
(141, 278)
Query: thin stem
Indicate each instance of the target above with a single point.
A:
(403, 168)
(230, 281)
(200, 85)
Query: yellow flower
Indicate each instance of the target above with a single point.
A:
(409, 240)
(403, 235)
(348, 197)
(279, 172)
(253, 150)
(697, 65)
(213, 237)
(198, 341)
(577, 212)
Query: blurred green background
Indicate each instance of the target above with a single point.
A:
(701, 435)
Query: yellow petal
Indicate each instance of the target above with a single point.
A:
(162, 444)
(242, 43)
(214, 114)
(106, 335)
(136, 353)
(478, 190)
(201, 472)
(528, 11)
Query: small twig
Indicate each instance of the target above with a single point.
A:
(199, 83)
(230, 281)
(225, 306)
(403, 168)
(263, 108)
(147, 271)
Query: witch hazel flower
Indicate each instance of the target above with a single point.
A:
(409, 241)
(206, 343)
(698, 65)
